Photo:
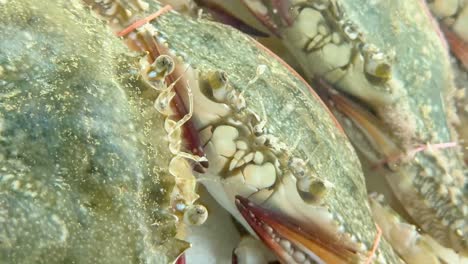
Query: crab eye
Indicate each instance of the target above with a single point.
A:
(195, 214)
(217, 80)
(164, 63)
(298, 167)
(160, 68)
(215, 85)
(311, 190)
(377, 67)
(222, 78)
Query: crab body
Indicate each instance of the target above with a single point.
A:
(81, 180)
(252, 149)
(199, 123)
(389, 57)
(208, 104)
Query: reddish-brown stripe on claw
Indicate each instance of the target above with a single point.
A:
(275, 229)
(226, 17)
(457, 45)
(190, 133)
(368, 123)
(181, 259)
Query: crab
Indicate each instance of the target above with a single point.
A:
(453, 15)
(399, 121)
(173, 109)
(246, 147)
(251, 130)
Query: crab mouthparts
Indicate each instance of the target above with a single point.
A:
(190, 133)
(146, 42)
(289, 242)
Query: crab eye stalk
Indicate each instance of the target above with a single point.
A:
(160, 68)
(195, 214)
(376, 65)
(217, 82)
(311, 190)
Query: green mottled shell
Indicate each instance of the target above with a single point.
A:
(423, 66)
(292, 112)
(83, 164)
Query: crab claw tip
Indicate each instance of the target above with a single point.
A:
(289, 242)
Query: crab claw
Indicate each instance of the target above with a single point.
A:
(458, 46)
(222, 14)
(180, 259)
(291, 243)
(267, 18)
(367, 123)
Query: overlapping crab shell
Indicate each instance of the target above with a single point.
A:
(83, 178)
(420, 114)
(412, 101)
(453, 14)
(453, 17)
(292, 114)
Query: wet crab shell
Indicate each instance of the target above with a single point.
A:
(83, 178)
(292, 114)
(411, 105)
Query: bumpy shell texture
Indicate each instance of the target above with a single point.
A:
(82, 180)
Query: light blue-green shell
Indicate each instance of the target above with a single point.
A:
(83, 161)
